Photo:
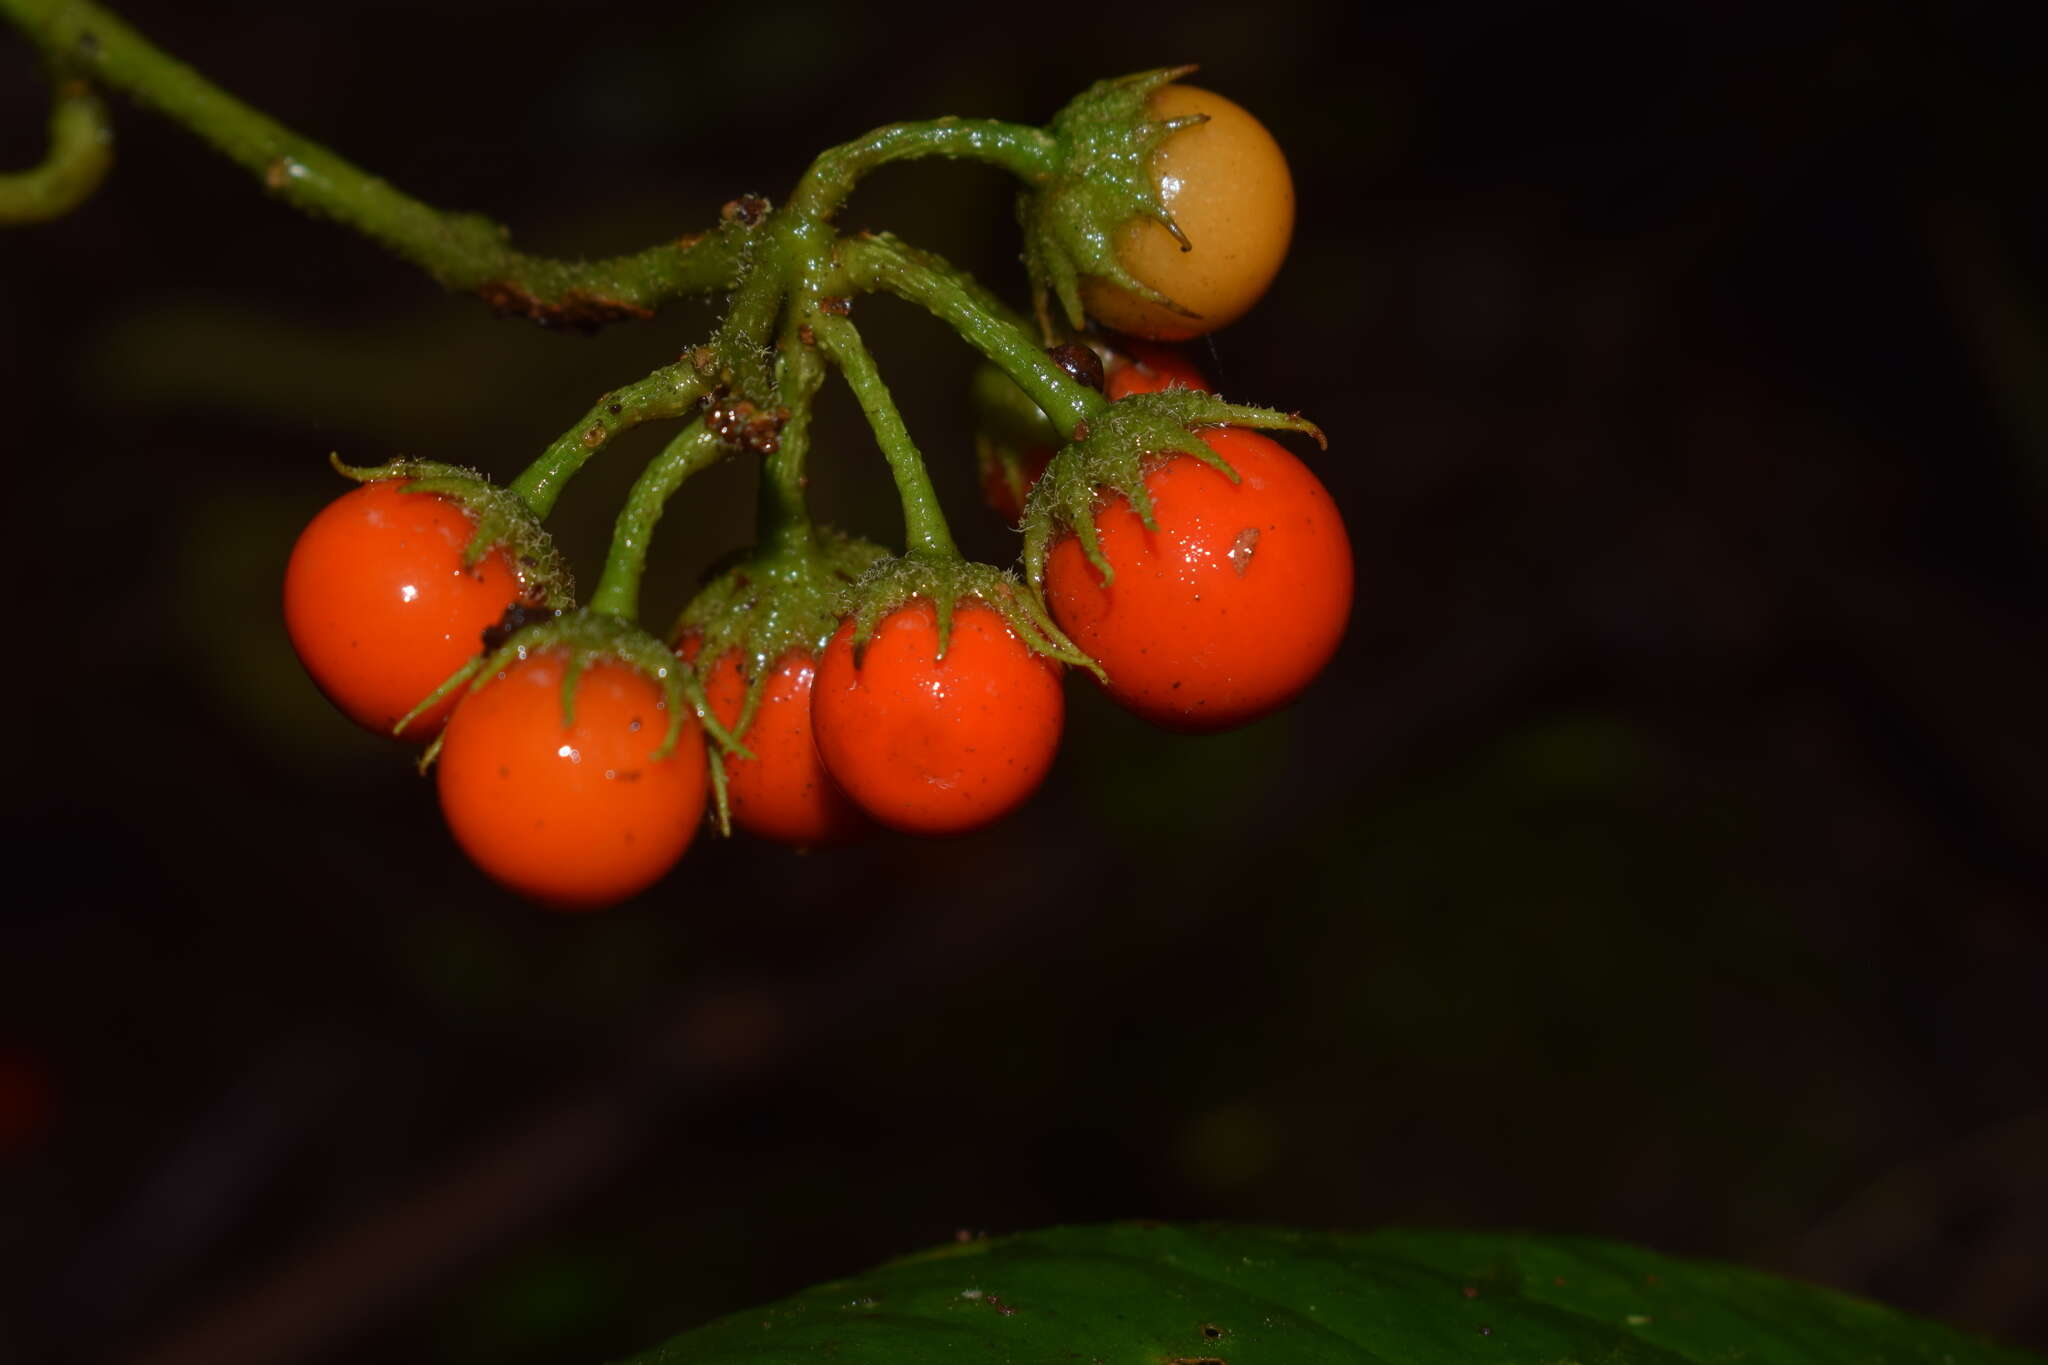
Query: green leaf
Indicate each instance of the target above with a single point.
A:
(1161, 1294)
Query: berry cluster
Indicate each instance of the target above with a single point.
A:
(820, 687)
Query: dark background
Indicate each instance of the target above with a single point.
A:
(1662, 858)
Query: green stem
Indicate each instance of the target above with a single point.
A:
(81, 151)
(882, 262)
(670, 391)
(795, 256)
(462, 251)
(782, 519)
(1028, 153)
(742, 343)
(924, 525)
(618, 591)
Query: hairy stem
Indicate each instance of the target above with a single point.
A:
(743, 341)
(671, 391)
(1024, 151)
(463, 251)
(618, 591)
(782, 519)
(924, 525)
(881, 262)
(795, 256)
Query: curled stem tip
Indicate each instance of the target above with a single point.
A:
(81, 152)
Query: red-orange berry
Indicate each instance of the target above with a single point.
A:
(933, 745)
(1229, 609)
(576, 816)
(381, 607)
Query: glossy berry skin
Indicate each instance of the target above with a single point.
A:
(380, 607)
(783, 792)
(1144, 367)
(937, 746)
(576, 817)
(1227, 186)
(1231, 607)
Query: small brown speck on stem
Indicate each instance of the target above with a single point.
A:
(748, 210)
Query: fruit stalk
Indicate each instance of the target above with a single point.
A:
(924, 525)
(1025, 151)
(618, 591)
(671, 391)
(880, 262)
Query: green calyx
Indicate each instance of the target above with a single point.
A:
(770, 603)
(502, 519)
(946, 581)
(591, 637)
(1113, 457)
(774, 600)
(1103, 179)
